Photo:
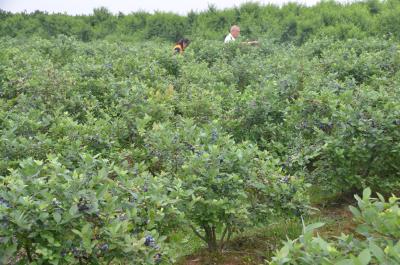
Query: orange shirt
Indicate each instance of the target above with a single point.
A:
(178, 49)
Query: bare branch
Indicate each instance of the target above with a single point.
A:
(221, 243)
(197, 233)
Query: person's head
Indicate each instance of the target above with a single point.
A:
(235, 31)
(183, 42)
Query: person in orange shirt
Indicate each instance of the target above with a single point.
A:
(181, 46)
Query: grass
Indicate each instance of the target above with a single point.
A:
(183, 243)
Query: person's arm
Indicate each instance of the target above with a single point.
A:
(254, 42)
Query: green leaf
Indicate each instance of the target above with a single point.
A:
(73, 210)
(345, 262)
(366, 194)
(87, 237)
(380, 197)
(77, 232)
(377, 252)
(365, 257)
(312, 227)
(356, 213)
(239, 154)
(21, 220)
(283, 252)
(86, 229)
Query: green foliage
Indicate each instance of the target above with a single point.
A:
(377, 243)
(224, 186)
(96, 213)
(292, 22)
(217, 140)
(166, 26)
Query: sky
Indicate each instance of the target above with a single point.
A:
(77, 7)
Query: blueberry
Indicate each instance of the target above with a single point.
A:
(158, 258)
(104, 247)
(149, 241)
(76, 252)
(214, 136)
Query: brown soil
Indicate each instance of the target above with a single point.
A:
(252, 250)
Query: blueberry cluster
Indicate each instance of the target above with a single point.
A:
(102, 249)
(4, 203)
(57, 205)
(78, 253)
(83, 205)
(284, 179)
(190, 147)
(123, 217)
(151, 242)
(326, 127)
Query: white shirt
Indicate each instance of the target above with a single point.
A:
(229, 38)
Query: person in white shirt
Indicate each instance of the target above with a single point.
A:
(233, 35)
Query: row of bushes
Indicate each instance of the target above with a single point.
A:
(289, 23)
(107, 148)
(328, 110)
(103, 157)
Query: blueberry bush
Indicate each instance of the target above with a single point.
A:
(377, 240)
(109, 148)
(89, 215)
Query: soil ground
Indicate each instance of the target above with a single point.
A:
(257, 248)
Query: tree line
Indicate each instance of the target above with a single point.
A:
(292, 22)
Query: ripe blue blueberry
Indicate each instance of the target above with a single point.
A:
(149, 241)
(104, 247)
